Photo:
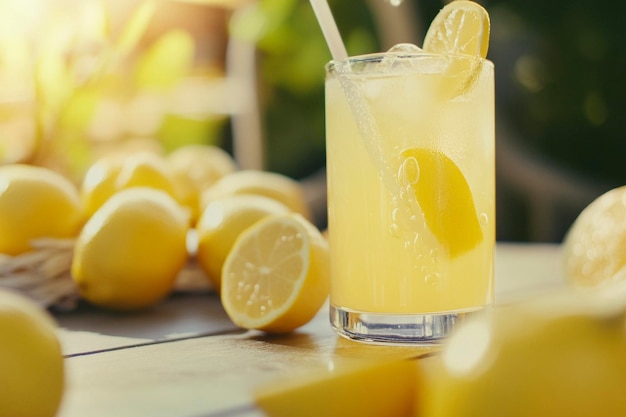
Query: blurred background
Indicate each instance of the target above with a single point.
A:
(80, 77)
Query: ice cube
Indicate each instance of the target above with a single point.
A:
(393, 59)
(404, 48)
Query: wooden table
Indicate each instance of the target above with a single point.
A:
(185, 358)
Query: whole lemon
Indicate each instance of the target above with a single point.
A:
(35, 202)
(269, 184)
(99, 182)
(196, 168)
(111, 174)
(222, 222)
(131, 250)
(31, 361)
(560, 355)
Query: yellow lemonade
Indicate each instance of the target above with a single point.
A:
(411, 192)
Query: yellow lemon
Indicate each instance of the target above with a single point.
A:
(445, 198)
(384, 388)
(461, 27)
(196, 168)
(561, 355)
(114, 173)
(276, 277)
(460, 30)
(36, 202)
(594, 248)
(99, 183)
(32, 376)
(222, 221)
(270, 184)
(131, 250)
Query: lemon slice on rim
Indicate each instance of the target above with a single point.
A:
(445, 198)
(461, 27)
(276, 277)
(461, 32)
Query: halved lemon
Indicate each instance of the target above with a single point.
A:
(445, 198)
(594, 248)
(276, 276)
(221, 223)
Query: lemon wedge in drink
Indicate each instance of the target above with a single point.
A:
(445, 198)
(461, 27)
(276, 276)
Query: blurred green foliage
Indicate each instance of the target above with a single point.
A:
(82, 72)
(561, 85)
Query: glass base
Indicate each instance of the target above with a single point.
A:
(381, 328)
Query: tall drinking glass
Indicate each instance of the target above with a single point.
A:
(411, 205)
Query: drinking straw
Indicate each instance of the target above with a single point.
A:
(360, 109)
(329, 29)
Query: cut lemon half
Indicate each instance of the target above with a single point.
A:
(221, 223)
(445, 198)
(461, 27)
(594, 248)
(276, 276)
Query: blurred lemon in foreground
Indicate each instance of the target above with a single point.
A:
(270, 184)
(222, 221)
(131, 250)
(560, 355)
(351, 389)
(461, 27)
(276, 277)
(35, 202)
(31, 361)
(444, 197)
(111, 174)
(594, 247)
(196, 168)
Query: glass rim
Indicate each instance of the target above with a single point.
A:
(351, 61)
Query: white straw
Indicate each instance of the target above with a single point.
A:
(329, 29)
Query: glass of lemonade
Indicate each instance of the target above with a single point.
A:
(411, 193)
